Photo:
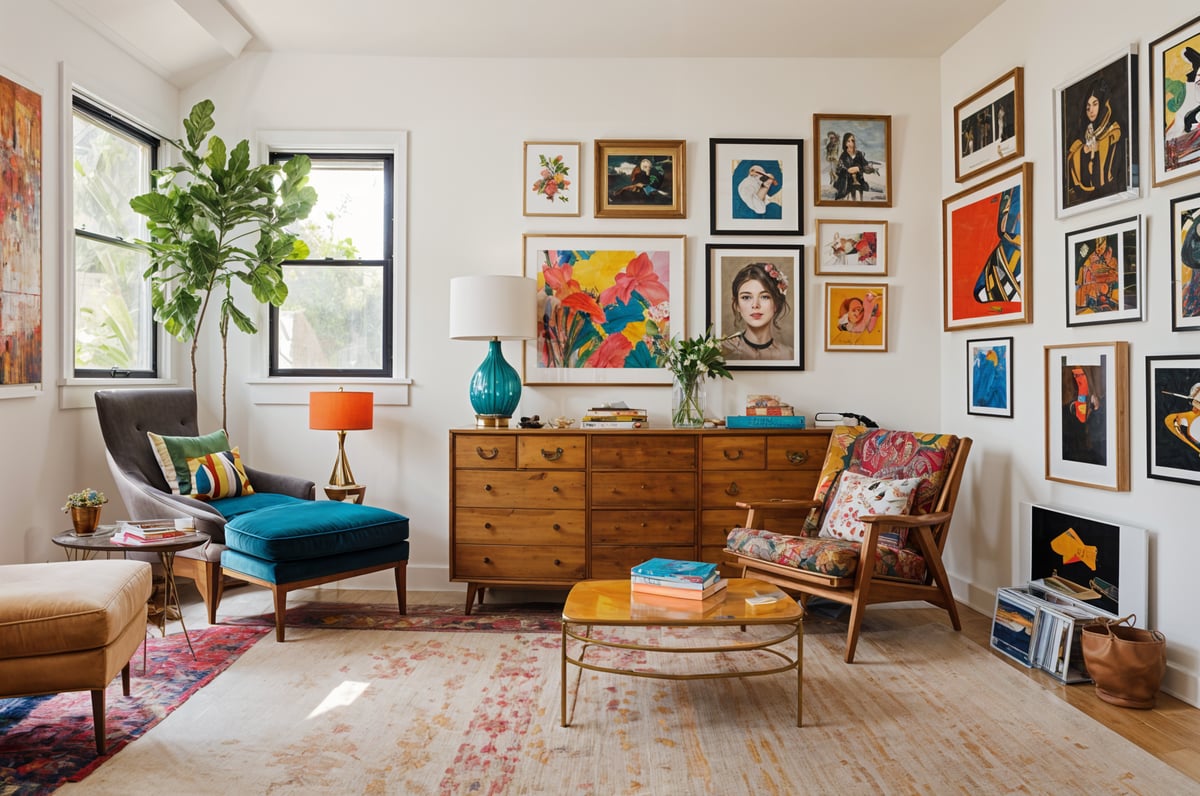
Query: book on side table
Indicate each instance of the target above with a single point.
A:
(676, 593)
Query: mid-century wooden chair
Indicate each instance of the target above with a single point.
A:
(875, 529)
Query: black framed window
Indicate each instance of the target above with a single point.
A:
(338, 316)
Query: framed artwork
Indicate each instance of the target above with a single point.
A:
(756, 186)
(1173, 418)
(856, 317)
(20, 239)
(1175, 103)
(1087, 415)
(986, 247)
(989, 379)
(1185, 263)
(1102, 563)
(641, 179)
(851, 248)
(756, 305)
(1106, 273)
(1096, 135)
(852, 160)
(552, 178)
(607, 305)
(989, 126)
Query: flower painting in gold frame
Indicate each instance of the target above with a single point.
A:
(607, 306)
(640, 179)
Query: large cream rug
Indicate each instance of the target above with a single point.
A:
(923, 711)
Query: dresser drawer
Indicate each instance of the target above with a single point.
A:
(615, 562)
(518, 562)
(643, 451)
(643, 527)
(552, 451)
(520, 526)
(644, 490)
(798, 452)
(722, 488)
(734, 452)
(521, 489)
(485, 450)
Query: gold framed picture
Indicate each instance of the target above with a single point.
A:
(641, 179)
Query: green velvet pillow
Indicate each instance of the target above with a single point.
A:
(173, 454)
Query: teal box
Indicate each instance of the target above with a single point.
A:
(764, 421)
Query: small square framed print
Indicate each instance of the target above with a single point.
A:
(756, 186)
(989, 379)
(1173, 417)
(851, 248)
(1105, 273)
(856, 317)
(852, 160)
(552, 180)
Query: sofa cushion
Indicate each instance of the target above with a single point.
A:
(67, 606)
(314, 529)
(219, 475)
(858, 495)
(173, 454)
(833, 557)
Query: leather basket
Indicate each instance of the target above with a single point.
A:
(1127, 663)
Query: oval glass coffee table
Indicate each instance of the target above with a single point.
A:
(610, 603)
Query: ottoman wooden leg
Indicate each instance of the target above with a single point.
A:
(401, 588)
(98, 719)
(125, 680)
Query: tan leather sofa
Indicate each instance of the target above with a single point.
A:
(71, 626)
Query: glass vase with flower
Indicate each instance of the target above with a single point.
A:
(692, 361)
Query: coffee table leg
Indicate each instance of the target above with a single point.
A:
(562, 715)
(799, 674)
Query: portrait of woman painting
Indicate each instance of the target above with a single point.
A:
(852, 156)
(607, 305)
(756, 305)
(1173, 417)
(1096, 136)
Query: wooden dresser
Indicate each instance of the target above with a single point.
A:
(547, 508)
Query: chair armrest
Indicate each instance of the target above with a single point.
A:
(907, 520)
(779, 505)
(281, 484)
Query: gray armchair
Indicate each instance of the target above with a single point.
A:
(125, 417)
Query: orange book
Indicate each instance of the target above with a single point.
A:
(678, 593)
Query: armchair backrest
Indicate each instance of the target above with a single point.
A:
(126, 415)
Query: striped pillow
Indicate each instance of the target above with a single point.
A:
(173, 454)
(219, 475)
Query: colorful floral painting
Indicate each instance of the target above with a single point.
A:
(20, 235)
(551, 179)
(607, 306)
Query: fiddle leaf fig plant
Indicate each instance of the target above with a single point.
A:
(215, 219)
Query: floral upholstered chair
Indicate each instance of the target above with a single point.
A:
(875, 529)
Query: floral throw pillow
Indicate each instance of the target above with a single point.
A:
(859, 495)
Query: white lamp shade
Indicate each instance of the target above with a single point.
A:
(493, 307)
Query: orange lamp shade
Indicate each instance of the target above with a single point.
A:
(341, 411)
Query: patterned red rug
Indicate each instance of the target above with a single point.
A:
(49, 740)
(487, 618)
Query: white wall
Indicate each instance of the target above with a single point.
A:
(1055, 42)
(48, 452)
(467, 120)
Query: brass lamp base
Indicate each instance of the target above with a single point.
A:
(491, 421)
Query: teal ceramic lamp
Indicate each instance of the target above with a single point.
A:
(493, 308)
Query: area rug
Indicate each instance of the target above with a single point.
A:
(48, 740)
(420, 711)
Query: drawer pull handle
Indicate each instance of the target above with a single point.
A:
(557, 562)
(487, 560)
(645, 524)
(487, 525)
(487, 487)
(733, 456)
(733, 488)
(479, 452)
(557, 527)
(797, 457)
(552, 456)
(554, 488)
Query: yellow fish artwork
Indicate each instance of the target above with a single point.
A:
(1068, 545)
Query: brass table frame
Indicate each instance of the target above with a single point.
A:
(609, 603)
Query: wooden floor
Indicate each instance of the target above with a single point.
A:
(1170, 731)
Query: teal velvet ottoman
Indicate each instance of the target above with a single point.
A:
(298, 545)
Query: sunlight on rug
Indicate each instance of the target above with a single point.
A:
(924, 710)
(48, 740)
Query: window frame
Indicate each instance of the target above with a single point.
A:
(104, 116)
(387, 262)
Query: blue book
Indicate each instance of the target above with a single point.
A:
(672, 569)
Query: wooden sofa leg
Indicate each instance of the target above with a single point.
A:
(402, 587)
(280, 596)
(98, 719)
(125, 678)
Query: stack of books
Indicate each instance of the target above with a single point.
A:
(766, 411)
(614, 417)
(148, 531)
(668, 577)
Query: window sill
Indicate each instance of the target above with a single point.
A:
(78, 393)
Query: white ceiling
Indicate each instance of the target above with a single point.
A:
(183, 40)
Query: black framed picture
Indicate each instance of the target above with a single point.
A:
(756, 305)
(756, 186)
(989, 379)
(1173, 418)
(1106, 273)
